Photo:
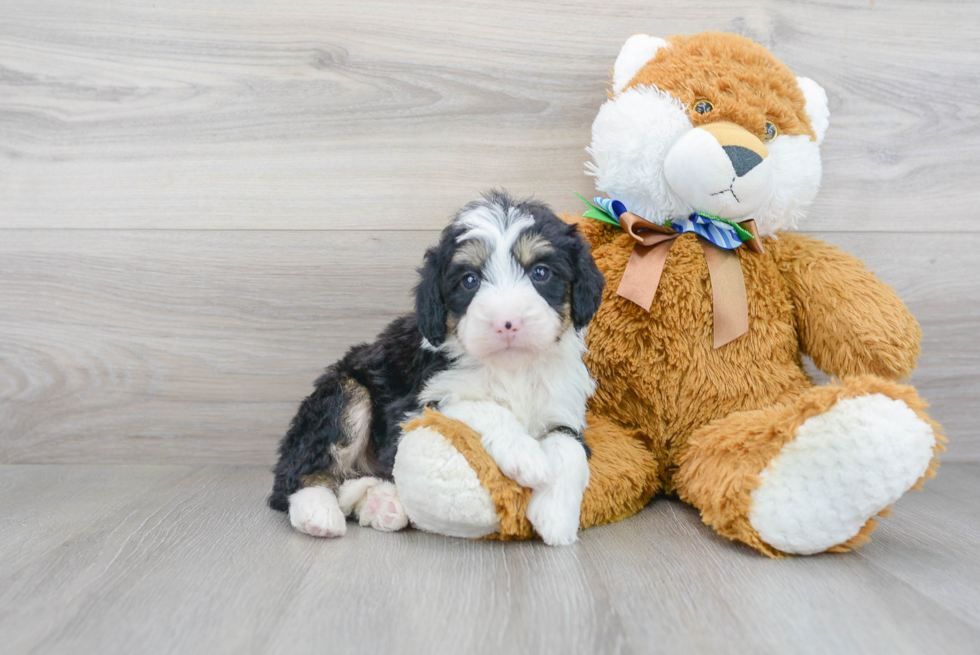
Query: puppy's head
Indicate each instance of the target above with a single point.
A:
(506, 281)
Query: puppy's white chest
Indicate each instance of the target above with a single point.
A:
(546, 397)
(551, 391)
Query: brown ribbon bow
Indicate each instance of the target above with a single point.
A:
(642, 275)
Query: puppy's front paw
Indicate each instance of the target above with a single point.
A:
(555, 515)
(525, 463)
(315, 511)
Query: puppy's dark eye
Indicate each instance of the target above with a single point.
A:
(470, 282)
(703, 106)
(771, 132)
(540, 273)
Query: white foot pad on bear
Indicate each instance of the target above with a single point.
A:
(439, 489)
(315, 511)
(843, 467)
(374, 502)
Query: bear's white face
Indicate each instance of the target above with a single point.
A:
(720, 169)
(647, 153)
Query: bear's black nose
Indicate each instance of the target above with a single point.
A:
(743, 159)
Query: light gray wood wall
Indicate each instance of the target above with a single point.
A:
(203, 203)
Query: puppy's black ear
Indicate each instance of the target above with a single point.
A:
(587, 285)
(430, 309)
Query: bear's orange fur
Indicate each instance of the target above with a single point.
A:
(745, 83)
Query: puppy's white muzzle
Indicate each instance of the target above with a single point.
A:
(720, 169)
(510, 325)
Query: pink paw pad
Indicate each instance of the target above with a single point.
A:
(384, 509)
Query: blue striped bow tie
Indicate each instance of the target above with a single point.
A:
(719, 238)
(719, 231)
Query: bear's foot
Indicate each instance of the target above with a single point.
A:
(810, 475)
(843, 467)
(440, 491)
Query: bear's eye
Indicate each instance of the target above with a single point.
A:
(703, 106)
(771, 131)
(469, 282)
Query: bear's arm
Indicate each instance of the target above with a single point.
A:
(849, 321)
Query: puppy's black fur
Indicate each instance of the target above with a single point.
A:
(394, 369)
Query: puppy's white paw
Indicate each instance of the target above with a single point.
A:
(525, 463)
(554, 513)
(383, 509)
(315, 511)
(375, 503)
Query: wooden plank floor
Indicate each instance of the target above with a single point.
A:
(187, 559)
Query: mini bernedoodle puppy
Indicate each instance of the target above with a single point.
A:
(496, 341)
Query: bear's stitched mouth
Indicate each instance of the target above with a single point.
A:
(730, 190)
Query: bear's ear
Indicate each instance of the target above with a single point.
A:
(636, 52)
(816, 106)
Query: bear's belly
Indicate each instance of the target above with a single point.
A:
(658, 371)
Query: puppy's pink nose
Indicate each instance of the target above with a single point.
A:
(506, 325)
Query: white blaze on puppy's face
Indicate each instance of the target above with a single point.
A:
(507, 323)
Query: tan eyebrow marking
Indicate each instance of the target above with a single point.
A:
(474, 253)
(530, 247)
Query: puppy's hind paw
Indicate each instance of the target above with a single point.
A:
(375, 503)
(383, 510)
(314, 511)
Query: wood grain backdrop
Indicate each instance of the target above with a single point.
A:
(203, 203)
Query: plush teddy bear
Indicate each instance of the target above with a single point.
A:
(708, 149)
